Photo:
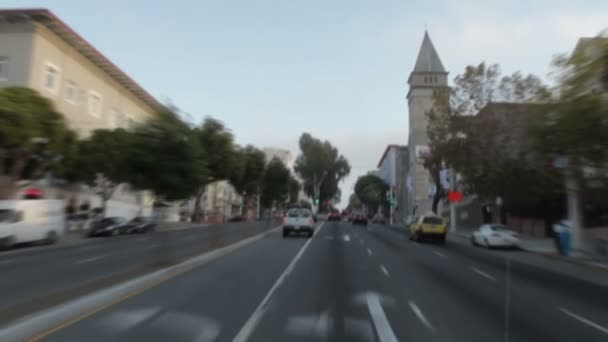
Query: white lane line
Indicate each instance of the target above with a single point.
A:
(385, 271)
(420, 315)
(584, 320)
(482, 273)
(369, 251)
(254, 319)
(439, 254)
(383, 328)
(87, 260)
(347, 238)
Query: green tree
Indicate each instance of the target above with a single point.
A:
(218, 151)
(101, 161)
(275, 184)
(34, 137)
(354, 203)
(371, 191)
(164, 155)
(474, 147)
(321, 168)
(294, 189)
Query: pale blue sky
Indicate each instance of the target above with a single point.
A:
(338, 69)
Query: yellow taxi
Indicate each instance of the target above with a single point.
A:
(428, 227)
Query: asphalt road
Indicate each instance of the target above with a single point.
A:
(35, 278)
(352, 284)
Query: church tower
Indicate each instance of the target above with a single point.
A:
(427, 78)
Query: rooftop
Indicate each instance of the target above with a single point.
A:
(61, 29)
(428, 58)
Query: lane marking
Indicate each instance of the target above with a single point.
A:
(87, 260)
(347, 238)
(482, 273)
(439, 254)
(383, 328)
(385, 271)
(369, 251)
(420, 315)
(584, 320)
(250, 325)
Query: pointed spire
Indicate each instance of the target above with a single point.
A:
(428, 59)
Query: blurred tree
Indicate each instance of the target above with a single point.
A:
(248, 172)
(165, 156)
(294, 189)
(321, 168)
(371, 190)
(354, 202)
(218, 151)
(34, 137)
(275, 184)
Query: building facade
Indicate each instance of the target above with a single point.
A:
(426, 80)
(39, 51)
(282, 154)
(392, 169)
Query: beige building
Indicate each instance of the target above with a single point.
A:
(283, 155)
(39, 51)
(427, 78)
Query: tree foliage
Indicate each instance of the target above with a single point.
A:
(321, 168)
(371, 191)
(275, 184)
(34, 137)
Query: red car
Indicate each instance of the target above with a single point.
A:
(334, 216)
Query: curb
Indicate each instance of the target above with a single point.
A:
(38, 325)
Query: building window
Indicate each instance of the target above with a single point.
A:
(3, 68)
(435, 79)
(113, 118)
(94, 104)
(71, 92)
(52, 75)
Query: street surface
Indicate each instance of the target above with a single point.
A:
(351, 283)
(38, 277)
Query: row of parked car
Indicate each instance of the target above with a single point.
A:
(110, 226)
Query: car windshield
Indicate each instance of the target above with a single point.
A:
(432, 220)
(6, 215)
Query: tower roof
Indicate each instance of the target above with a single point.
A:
(428, 58)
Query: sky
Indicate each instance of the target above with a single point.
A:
(271, 70)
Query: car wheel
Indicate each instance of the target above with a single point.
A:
(473, 241)
(285, 233)
(310, 234)
(51, 238)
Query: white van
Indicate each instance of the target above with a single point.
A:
(24, 221)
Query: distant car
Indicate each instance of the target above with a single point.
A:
(360, 219)
(108, 226)
(334, 216)
(138, 225)
(298, 220)
(379, 219)
(428, 227)
(495, 235)
(236, 218)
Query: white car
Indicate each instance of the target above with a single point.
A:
(299, 220)
(23, 221)
(495, 235)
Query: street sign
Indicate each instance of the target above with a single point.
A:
(455, 196)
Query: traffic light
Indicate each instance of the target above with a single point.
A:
(316, 201)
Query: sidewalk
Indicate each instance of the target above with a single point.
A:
(543, 253)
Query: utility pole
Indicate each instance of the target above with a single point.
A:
(452, 204)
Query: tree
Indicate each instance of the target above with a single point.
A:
(165, 156)
(275, 184)
(321, 168)
(354, 202)
(33, 137)
(101, 161)
(294, 189)
(371, 191)
(218, 151)
(476, 148)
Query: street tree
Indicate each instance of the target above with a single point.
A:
(474, 147)
(294, 189)
(371, 191)
(247, 173)
(321, 168)
(217, 148)
(275, 184)
(34, 137)
(165, 156)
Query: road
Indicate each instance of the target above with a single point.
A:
(351, 284)
(35, 278)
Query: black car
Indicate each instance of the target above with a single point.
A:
(139, 225)
(360, 219)
(236, 218)
(108, 226)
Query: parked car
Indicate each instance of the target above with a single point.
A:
(298, 220)
(428, 227)
(236, 218)
(379, 219)
(139, 224)
(495, 235)
(25, 221)
(108, 226)
(334, 216)
(360, 219)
